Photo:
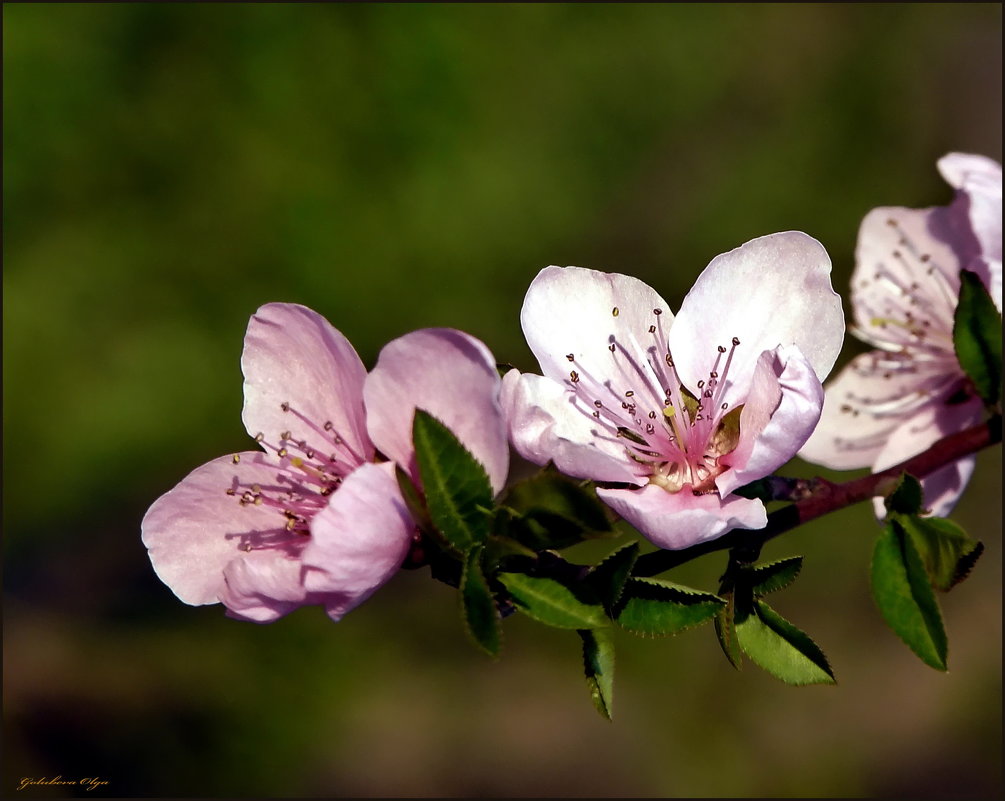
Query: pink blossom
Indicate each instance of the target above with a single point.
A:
(311, 518)
(894, 402)
(678, 411)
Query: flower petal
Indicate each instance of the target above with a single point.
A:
(262, 586)
(196, 529)
(547, 423)
(907, 269)
(359, 540)
(781, 412)
(931, 423)
(980, 178)
(573, 311)
(453, 377)
(979, 182)
(871, 397)
(771, 291)
(293, 356)
(680, 520)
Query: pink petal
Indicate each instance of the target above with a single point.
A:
(547, 422)
(781, 412)
(771, 291)
(359, 540)
(572, 311)
(195, 530)
(453, 377)
(907, 261)
(293, 356)
(871, 397)
(680, 520)
(981, 179)
(929, 424)
(262, 586)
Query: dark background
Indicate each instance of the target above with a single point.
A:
(170, 167)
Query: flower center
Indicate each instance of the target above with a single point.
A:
(677, 436)
(311, 462)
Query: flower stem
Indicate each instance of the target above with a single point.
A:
(826, 497)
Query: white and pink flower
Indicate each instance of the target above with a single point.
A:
(894, 402)
(678, 411)
(312, 518)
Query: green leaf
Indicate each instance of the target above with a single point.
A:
(906, 497)
(609, 576)
(553, 603)
(783, 650)
(504, 550)
(725, 630)
(458, 492)
(977, 336)
(481, 618)
(550, 511)
(774, 576)
(946, 550)
(905, 598)
(656, 608)
(598, 664)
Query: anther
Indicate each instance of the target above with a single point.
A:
(652, 329)
(282, 451)
(570, 356)
(611, 347)
(285, 406)
(736, 340)
(615, 311)
(329, 426)
(722, 349)
(629, 394)
(598, 404)
(286, 435)
(237, 458)
(574, 376)
(259, 436)
(657, 312)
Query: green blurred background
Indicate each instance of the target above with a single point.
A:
(170, 167)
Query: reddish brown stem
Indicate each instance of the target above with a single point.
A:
(827, 497)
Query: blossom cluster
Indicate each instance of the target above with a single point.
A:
(669, 414)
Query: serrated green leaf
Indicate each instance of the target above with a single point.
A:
(725, 631)
(905, 598)
(906, 497)
(609, 576)
(774, 576)
(657, 608)
(946, 550)
(458, 492)
(481, 618)
(549, 511)
(977, 337)
(553, 603)
(783, 650)
(598, 664)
